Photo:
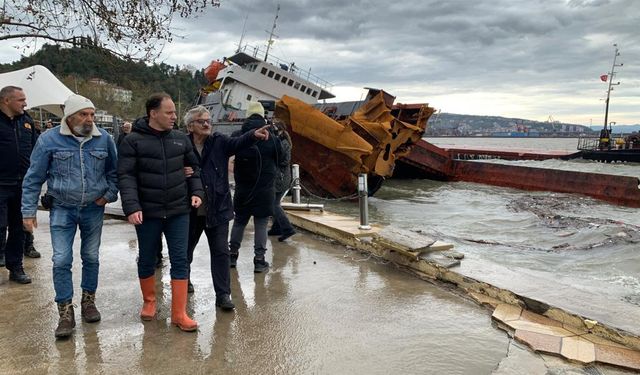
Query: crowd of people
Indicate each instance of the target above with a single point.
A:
(170, 183)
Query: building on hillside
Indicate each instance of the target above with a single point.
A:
(114, 92)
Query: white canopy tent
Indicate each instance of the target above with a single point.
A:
(42, 88)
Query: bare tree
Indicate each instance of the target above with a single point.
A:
(129, 28)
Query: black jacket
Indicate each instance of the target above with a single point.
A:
(151, 172)
(214, 173)
(283, 177)
(120, 138)
(255, 172)
(17, 139)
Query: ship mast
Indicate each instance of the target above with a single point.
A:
(271, 34)
(244, 32)
(612, 73)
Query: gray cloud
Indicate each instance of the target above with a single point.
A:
(535, 57)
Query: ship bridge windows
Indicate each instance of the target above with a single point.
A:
(277, 77)
(270, 74)
(290, 83)
(315, 94)
(296, 86)
(303, 88)
(308, 92)
(264, 71)
(248, 97)
(284, 79)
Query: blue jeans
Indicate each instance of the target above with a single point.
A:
(64, 221)
(176, 232)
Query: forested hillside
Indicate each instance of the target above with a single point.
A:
(77, 66)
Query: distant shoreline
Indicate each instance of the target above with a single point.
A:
(506, 137)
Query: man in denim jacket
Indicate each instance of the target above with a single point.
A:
(78, 160)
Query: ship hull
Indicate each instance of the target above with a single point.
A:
(609, 156)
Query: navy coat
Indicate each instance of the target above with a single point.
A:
(214, 161)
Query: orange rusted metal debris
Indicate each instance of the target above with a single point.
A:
(332, 153)
(429, 161)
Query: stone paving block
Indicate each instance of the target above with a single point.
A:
(539, 341)
(577, 331)
(505, 312)
(602, 341)
(617, 356)
(578, 349)
(484, 299)
(440, 259)
(405, 239)
(540, 319)
(440, 245)
(539, 328)
(343, 224)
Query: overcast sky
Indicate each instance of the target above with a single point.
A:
(514, 58)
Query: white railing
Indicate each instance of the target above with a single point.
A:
(259, 52)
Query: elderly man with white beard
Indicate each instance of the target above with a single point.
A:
(78, 160)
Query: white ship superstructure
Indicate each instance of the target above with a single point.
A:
(245, 78)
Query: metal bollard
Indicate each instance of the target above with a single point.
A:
(295, 174)
(364, 203)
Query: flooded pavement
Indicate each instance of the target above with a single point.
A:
(566, 250)
(321, 309)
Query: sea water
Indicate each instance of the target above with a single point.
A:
(575, 238)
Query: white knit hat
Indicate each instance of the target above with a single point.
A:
(255, 108)
(75, 103)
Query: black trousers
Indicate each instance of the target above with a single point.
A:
(28, 240)
(11, 221)
(217, 236)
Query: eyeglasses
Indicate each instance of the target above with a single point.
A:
(202, 122)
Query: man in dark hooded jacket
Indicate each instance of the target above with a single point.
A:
(156, 198)
(213, 151)
(17, 139)
(254, 172)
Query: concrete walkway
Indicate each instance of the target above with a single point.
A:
(321, 309)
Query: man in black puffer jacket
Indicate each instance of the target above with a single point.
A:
(254, 173)
(156, 197)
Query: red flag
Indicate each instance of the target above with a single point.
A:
(604, 77)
